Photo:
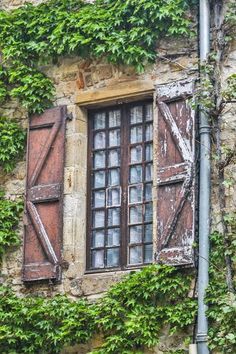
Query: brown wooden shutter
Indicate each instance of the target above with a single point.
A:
(175, 168)
(44, 195)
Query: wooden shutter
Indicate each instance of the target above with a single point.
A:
(175, 179)
(44, 193)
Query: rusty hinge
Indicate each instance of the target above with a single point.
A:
(69, 116)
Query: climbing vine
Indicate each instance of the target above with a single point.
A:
(9, 218)
(12, 143)
(215, 100)
(133, 313)
(124, 32)
(130, 317)
(222, 301)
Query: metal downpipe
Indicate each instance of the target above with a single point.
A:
(204, 195)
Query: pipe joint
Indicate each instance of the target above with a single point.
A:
(205, 129)
(201, 338)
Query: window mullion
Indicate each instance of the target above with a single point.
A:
(124, 184)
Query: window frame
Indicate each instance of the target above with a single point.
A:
(125, 145)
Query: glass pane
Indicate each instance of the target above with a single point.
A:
(136, 114)
(114, 137)
(99, 120)
(98, 218)
(98, 199)
(147, 253)
(135, 234)
(99, 140)
(114, 118)
(148, 173)
(113, 257)
(149, 112)
(148, 152)
(148, 212)
(135, 194)
(135, 174)
(136, 154)
(135, 214)
(148, 233)
(98, 238)
(148, 191)
(113, 237)
(99, 179)
(114, 158)
(136, 134)
(113, 216)
(98, 259)
(148, 132)
(114, 177)
(135, 255)
(99, 159)
(113, 198)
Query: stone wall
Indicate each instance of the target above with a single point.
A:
(74, 77)
(228, 139)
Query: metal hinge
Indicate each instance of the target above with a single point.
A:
(69, 116)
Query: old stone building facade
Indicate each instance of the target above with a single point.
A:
(82, 85)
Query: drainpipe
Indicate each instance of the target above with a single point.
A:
(204, 195)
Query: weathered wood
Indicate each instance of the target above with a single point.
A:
(45, 152)
(176, 135)
(175, 175)
(41, 233)
(44, 193)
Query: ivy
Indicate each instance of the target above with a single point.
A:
(229, 94)
(9, 219)
(131, 316)
(12, 143)
(124, 32)
(221, 302)
(134, 312)
(40, 325)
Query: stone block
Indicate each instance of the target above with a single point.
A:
(80, 81)
(68, 231)
(68, 180)
(69, 76)
(20, 170)
(104, 72)
(15, 187)
(84, 64)
(71, 205)
(76, 151)
(88, 80)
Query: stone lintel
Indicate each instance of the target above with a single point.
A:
(116, 93)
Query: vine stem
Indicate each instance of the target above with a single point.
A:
(220, 51)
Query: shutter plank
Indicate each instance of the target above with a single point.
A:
(175, 174)
(41, 233)
(44, 196)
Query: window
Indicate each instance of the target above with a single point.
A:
(119, 184)
(120, 165)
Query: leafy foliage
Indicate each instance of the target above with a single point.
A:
(130, 316)
(222, 304)
(12, 143)
(134, 312)
(125, 32)
(229, 94)
(9, 219)
(41, 325)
